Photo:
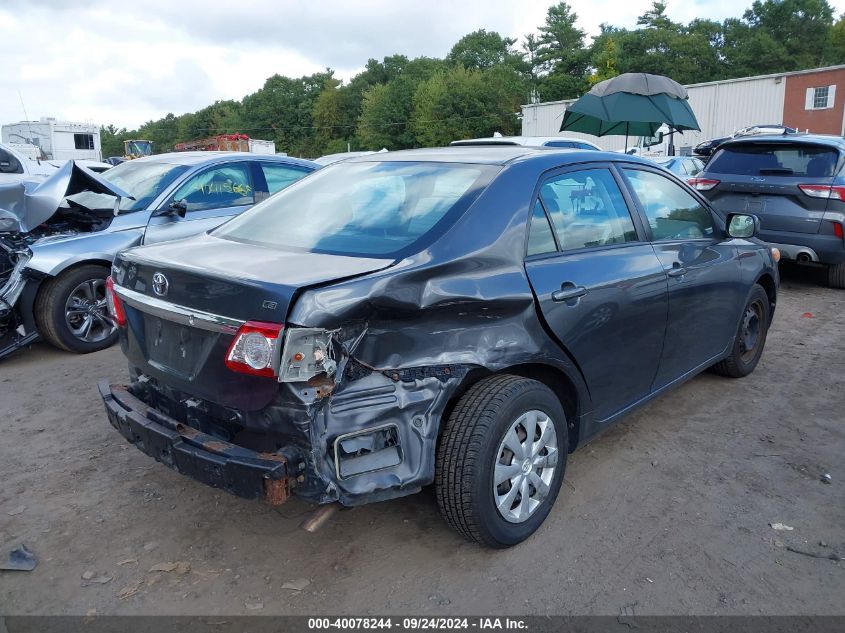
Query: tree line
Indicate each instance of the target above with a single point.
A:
(477, 89)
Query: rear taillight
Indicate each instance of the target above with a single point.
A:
(837, 229)
(115, 304)
(702, 184)
(255, 349)
(823, 191)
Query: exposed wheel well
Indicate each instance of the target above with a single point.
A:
(768, 284)
(553, 378)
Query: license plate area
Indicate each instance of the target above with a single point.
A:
(177, 349)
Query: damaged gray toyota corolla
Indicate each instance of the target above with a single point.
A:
(463, 316)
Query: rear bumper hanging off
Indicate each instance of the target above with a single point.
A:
(207, 459)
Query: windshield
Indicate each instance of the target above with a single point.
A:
(774, 159)
(369, 209)
(144, 180)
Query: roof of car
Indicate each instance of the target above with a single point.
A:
(815, 139)
(529, 141)
(202, 157)
(496, 155)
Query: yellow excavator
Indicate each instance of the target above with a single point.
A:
(137, 149)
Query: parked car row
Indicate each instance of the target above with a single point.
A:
(463, 316)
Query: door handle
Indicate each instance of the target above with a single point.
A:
(569, 292)
(677, 271)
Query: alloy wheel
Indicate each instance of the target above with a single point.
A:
(86, 312)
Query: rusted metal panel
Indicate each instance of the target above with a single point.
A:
(276, 491)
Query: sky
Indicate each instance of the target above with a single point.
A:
(129, 62)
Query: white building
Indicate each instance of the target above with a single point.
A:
(58, 140)
(805, 99)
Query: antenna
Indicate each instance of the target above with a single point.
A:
(26, 118)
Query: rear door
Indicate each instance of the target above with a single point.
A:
(598, 283)
(763, 178)
(706, 290)
(212, 195)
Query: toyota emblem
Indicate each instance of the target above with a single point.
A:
(160, 284)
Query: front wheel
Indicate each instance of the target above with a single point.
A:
(501, 460)
(71, 311)
(750, 337)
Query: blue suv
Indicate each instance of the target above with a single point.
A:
(795, 184)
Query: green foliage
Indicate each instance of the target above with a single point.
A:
(481, 50)
(478, 87)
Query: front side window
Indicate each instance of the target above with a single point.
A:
(587, 209)
(366, 209)
(216, 188)
(673, 213)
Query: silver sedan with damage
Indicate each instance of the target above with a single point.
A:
(59, 237)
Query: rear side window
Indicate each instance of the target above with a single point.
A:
(774, 159)
(280, 176)
(540, 237)
(587, 209)
(673, 214)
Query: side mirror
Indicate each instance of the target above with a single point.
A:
(743, 225)
(177, 207)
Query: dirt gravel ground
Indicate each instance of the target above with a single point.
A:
(669, 512)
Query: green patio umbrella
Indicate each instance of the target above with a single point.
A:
(631, 104)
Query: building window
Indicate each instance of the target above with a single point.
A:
(83, 141)
(820, 98)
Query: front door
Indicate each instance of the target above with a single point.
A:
(705, 285)
(212, 196)
(599, 285)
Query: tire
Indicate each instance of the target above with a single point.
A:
(836, 275)
(64, 301)
(471, 449)
(744, 357)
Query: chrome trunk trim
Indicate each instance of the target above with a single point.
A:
(178, 314)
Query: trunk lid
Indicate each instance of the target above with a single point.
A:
(181, 323)
(763, 178)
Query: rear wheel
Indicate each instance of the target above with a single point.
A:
(501, 460)
(836, 275)
(750, 337)
(71, 311)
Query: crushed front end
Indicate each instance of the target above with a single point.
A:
(16, 330)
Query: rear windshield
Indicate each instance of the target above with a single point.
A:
(775, 159)
(366, 209)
